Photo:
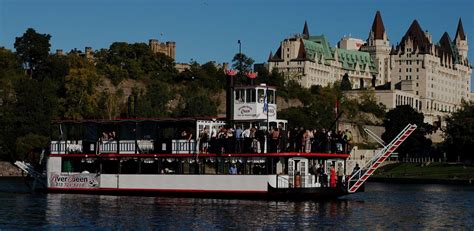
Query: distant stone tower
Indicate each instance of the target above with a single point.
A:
(461, 41)
(379, 48)
(89, 53)
(168, 48)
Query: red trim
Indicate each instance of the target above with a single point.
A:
(281, 154)
(154, 190)
(163, 119)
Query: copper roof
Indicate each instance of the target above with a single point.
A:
(305, 30)
(377, 27)
(418, 37)
(460, 31)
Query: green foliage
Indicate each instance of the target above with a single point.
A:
(81, 98)
(29, 147)
(32, 49)
(460, 133)
(155, 102)
(369, 104)
(196, 101)
(110, 103)
(9, 63)
(243, 64)
(206, 76)
(346, 83)
(417, 144)
(133, 61)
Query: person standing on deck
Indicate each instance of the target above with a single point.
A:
(332, 177)
(340, 174)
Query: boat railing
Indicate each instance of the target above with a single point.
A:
(305, 181)
(180, 146)
(66, 146)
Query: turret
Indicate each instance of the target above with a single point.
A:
(461, 41)
(379, 48)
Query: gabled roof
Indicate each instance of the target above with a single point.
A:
(301, 51)
(418, 37)
(446, 47)
(460, 31)
(277, 56)
(377, 26)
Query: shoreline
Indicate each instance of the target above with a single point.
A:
(7, 169)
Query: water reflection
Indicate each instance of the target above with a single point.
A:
(381, 207)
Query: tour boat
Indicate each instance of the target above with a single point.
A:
(198, 157)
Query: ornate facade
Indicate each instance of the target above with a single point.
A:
(311, 60)
(432, 77)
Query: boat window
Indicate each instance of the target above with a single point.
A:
(240, 96)
(71, 165)
(271, 96)
(261, 96)
(128, 131)
(110, 166)
(250, 96)
(89, 165)
(129, 166)
(150, 165)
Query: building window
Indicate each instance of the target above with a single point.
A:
(416, 92)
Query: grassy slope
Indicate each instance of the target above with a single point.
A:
(441, 171)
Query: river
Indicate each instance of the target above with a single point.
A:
(383, 206)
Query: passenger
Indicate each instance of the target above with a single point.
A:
(247, 141)
(348, 140)
(356, 168)
(204, 140)
(260, 135)
(340, 175)
(233, 169)
(105, 136)
(283, 139)
(332, 177)
(239, 139)
(274, 138)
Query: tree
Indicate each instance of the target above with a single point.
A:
(82, 97)
(155, 102)
(417, 144)
(196, 103)
(459, 133)
(243, 64)
(32, 49)
(346, 83)
(369, 104)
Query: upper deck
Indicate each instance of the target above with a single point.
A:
(203, 137)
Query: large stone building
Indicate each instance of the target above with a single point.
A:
(310, 60)
(168, 48)
(432, 77)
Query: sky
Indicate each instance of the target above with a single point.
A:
(208, 30)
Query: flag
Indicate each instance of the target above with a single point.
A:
(265, 103)
(238, 41)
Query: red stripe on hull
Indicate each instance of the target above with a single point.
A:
(152, 190)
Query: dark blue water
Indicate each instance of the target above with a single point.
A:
(381, 207)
